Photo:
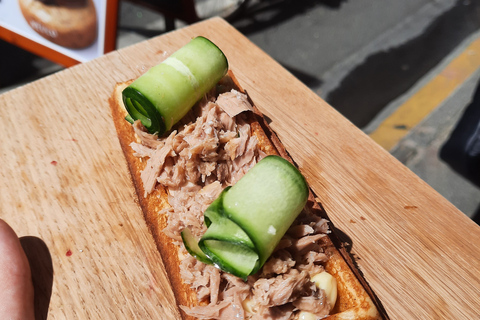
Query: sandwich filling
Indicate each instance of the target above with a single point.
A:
(206, 152)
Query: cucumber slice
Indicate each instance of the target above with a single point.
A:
(191, 244)
(166, 92)
(225, 243)
(246, 222)
(231, 257)
(266, 201)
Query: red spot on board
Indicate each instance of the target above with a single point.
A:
(54, 163)
(69, 253)
(410, 207)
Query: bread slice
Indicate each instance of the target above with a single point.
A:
(355, 300)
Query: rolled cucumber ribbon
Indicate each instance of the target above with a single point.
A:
(247, 221)
(166, 92)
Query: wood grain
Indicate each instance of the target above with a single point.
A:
(64, 180)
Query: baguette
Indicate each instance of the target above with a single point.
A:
(354, 299)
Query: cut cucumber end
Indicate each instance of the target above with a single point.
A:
(140, 108)
(166, 92)
(191, 244)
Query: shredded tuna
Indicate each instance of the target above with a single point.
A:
(281, 262)
(233, 103)
(315, 305)
(207, 152)
(148, 140)
(307, 243)
(284, 312)
(141, 150)
(279, 290)
(236, 147)
(210, 311)
(155, 164)
(300, 230)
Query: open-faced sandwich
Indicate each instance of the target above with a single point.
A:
(239, 231)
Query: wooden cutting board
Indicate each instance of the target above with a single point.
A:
(66, 187)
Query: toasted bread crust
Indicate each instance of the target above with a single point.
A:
(151, 204)
(353, 302)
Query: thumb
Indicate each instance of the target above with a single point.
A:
(16, 288)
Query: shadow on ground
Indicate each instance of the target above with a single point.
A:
(476, 216)
(265, 14)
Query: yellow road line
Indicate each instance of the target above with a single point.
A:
(425, 100)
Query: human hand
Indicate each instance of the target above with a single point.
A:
(16, 287)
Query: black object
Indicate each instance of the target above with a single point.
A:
(461, 151)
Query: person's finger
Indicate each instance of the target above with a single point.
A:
(16, 288)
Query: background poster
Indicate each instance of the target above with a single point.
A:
(12, 18)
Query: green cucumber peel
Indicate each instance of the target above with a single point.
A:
(191, 244)
(166, 92)
(129, 119)
(247, 221)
